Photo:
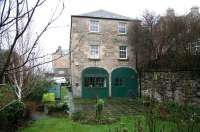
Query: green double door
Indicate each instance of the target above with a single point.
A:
(124, 82)
(95, 83)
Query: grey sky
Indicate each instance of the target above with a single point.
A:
(59, 33)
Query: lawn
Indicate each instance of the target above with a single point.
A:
(53, 124)
(131, 112)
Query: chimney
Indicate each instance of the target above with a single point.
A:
(59, 50)
(194, 10)
(170, 12)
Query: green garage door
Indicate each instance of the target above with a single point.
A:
(95, 82)
(124, 82)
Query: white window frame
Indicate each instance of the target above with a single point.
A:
(94, 52)
(123, 50)
(122, 25)
(95, 26)
(196, 47)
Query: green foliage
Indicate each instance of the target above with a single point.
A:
(48, 98)
(151, 118)
(172, 107)
(99, 108)
(68, 86)
(40, 87)
(64, 124)
(61, 107)
(51, 106)
(185, 117)
(78, 116)
(12, 113)
(64, 92)
(6, 95)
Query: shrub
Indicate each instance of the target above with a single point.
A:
(49, 102)
(48, 98)
(12, 113)
(172, 107)
(61, 107)
(39, 89)
(50, 105)
(6, 95)
(185, 117)
(78, 116)
(99, 108)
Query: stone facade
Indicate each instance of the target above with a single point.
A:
(60, 64)
(177, 86)
(108, 40)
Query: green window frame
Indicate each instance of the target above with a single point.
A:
(95, 82)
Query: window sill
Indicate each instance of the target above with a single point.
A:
(94, 59)
(98, 33)
(96, 88)
(122, 34)
(123, 59)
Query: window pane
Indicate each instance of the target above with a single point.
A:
(94, 26)
(122, 27)
(196, 47)
(118, 81)
(94, 51)
(123, 52)
(95, 82)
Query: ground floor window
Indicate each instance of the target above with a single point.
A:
(95, 82)
(119, 81)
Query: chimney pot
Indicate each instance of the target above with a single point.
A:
(170, 12)
(195, 10)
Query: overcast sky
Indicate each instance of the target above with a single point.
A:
(58, 34)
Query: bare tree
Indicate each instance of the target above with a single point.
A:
(19, 45)
(142, 36)
(166, 42)
(12, 14)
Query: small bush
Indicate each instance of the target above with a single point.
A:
(78, 116)
(99, 108)
(40, 87)
(11, 114)
(172, 107)
(6, 95)
(61, 107)
(48, 98)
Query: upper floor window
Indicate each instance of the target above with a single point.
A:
(196, 47)
(122, 28)
(94, 52)
(123, 52)
(94, 26)
(61, 72)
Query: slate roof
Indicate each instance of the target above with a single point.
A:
(104, 14)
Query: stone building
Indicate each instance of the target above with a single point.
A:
(194, 15)
(102, 60)
(60, 64)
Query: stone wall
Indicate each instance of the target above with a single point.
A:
(178, 86)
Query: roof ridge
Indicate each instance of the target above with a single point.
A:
(101, 13)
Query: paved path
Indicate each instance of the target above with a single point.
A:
(38, 115)
(113, 107)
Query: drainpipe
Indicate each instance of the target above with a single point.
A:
(139, 74)
(140, 83)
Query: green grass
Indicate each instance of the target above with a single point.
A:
(53, 124)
